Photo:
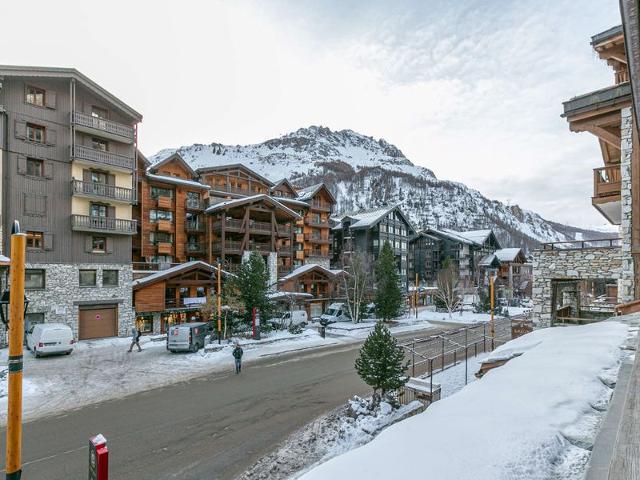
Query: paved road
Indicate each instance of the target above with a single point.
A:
(207, 428)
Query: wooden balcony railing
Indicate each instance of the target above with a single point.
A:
(325, 207)
(238, 190)
(114, 128)
(606, 181)
(81, 152)
(102, 190)
(89, 223)
(194, 248)
(233, 224)
(194, 204)
(314, 238)
(194, 226)
(312, 222)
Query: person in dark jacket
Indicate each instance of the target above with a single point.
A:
(135, 339)
(237, 355)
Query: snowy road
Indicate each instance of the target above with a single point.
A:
(208, 427)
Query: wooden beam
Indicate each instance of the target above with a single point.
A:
(605, 135)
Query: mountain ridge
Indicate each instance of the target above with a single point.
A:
(363, 172)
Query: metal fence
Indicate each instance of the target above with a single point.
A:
(436, 353)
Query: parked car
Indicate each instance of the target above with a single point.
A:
(336, 312)
(50, 338)
(293, 317)
(187, 337)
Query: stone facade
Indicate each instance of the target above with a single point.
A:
(626, 287)
(62, 295)
(588, 263)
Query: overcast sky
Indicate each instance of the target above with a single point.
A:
(471, 89)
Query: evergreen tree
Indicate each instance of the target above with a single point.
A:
(381, 362)
(388, 299)
(251, 286)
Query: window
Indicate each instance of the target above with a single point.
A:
(161, 237)
(110, 278)
(35, 96)
(98, 244)
(35, 240)
(99, 144)
(161, 192)
(34, 279)
(35, 167)
(98, 112)
(87, 278)
(98, 210)
(155, 215)
(35, 133)
(98, 177)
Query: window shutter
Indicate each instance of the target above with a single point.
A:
(48, 169)
(20, 128)
(111, 212)
(48, 241)
(88, 244)
(86, 175)
(41, 204)
(22, 165)
(50, 99)
(109, 244)
(29, 204)
(51, 136)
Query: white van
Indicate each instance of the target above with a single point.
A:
(49, 338)
(336, 312)
(293, 317)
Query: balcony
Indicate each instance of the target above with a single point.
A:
(235, 225)
(238, 190)
(312, 222)
(606, 193)
(235, 247)
(314, 238)
(99, 157)
(194, 226)
(164, 202)
(164, 248)
(194, 248)
(118, 226)
(194, 204)
(102, 191)
(322, 206)
(104, 128)
(285, 251)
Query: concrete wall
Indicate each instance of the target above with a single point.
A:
(588, 263)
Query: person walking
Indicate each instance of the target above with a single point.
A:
(237, 355)
(135, 339)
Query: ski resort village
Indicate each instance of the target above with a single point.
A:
(323, 304)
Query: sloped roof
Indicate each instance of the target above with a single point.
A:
(240, 166)
(173, 271)
(490, 260)
(64, 72)
(261, 197)
(284, 181)
(177, 181)
(477, 237)
(308, 193)
(174, 156)
(508, 254)
(310, 267)
(369, 218)
(451, 235)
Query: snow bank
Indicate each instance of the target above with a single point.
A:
(509, 425)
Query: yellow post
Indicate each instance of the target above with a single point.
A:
(491, 323)
(219, 294)
(16, 339)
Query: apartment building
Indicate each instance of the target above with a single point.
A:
(424, 258)
(68, 162)
(366, 231)
(586, 279)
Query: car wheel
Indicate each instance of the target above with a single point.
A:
(68, 352)
(37, 353)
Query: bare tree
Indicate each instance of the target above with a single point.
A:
(356, 282)
(448, 283)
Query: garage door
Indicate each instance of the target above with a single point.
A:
(98, 322)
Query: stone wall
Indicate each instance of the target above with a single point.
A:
(588, 263)
(626, 287)
(60, 299)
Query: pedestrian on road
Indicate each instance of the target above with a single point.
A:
(135, 339)
(237, 355)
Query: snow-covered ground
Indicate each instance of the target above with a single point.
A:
(466, 318)
(532, 419)
(360, 330)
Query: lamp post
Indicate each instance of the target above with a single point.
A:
(17, 307)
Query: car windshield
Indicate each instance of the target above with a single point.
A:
(333, 312)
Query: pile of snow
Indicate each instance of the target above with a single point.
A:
(525, 420)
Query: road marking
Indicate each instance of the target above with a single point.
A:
(52, 456)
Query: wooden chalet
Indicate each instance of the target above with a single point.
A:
(324, 286)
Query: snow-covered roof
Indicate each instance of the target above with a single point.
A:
(253, 198)
(169, 272)
(176, 180)
(4, 260)
(308, 193)
(368, 218)
(508, 254)
(474, 236)
(293, 201)
(451, 235)
(490, 260)
(308, 268)
(288, 295)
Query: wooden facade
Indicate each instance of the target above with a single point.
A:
(325, 285)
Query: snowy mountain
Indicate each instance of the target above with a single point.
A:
(363, 172)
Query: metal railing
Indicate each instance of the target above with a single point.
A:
(102, 190)
(114, 128)
(103, 224)
(104, 158)
(583, 244)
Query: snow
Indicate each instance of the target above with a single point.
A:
(175, 269)
(179, 181)
(308, 267)
(366, 218)
(507, 254)
(474, 236)
(509, 425)
(462, 317)
(243, 200)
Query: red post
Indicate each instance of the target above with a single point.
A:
(98, 458)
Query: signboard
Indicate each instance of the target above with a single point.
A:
(195, 300)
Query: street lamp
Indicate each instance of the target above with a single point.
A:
(4, 307)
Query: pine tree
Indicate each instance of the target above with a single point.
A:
(388, 299)
(381, 362)
(251, 285)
